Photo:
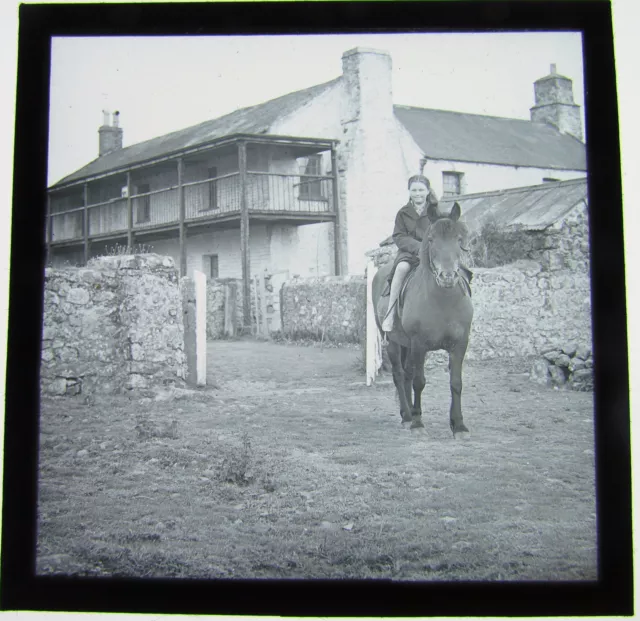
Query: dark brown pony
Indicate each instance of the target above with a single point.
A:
(435, 313)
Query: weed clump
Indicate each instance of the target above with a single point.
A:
(236, 465)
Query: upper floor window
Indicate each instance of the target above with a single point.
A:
(309, 188)
(452, 183)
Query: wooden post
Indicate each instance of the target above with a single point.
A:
(373, 342)
(183, 230)
(244, 234)
(85, 222)
(336, 209)
(129, 214)
(230, 295)
(263, 307)
(189, 310)
(200, 282)
(256, 305)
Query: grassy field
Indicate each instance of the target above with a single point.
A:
(287, 466)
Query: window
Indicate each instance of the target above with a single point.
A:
(213, 188)
(143, 203)
(310, 189)
(452, 183)
(549, 180)
(210, 265)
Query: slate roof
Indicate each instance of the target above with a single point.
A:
(463, 137)
(440, 134)
(252, 120)
(533, 207)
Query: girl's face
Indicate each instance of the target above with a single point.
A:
(418, 192)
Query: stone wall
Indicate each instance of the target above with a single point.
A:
(332, 306)
(113, 326)
(522, 310)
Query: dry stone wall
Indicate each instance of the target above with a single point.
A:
(113, 326)
(522, 310)
(332, 307)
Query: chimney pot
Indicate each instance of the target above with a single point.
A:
(110, 135)
(553, 69)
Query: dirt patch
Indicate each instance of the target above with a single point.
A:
(288, 466)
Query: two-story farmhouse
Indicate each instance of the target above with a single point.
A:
(305, 183)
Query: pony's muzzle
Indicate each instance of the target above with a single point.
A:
(448, 278)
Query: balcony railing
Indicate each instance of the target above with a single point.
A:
(204, 200)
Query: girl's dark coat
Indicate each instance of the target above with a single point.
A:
(408, 232)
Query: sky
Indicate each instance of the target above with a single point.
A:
(163, 84)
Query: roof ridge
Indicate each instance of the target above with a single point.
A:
(486, 116)
(518, 190)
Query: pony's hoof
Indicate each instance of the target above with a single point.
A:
(418, 430)
(461, 435)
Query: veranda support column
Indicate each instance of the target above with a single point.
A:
(129, 215)
(244, 235)
(85, 222)
(336, 209)
(183, 231)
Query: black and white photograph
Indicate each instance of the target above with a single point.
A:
(319, 307)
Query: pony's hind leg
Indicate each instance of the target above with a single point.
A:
(394, 350)
(456, 358)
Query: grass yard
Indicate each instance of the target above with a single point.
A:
(288, 466)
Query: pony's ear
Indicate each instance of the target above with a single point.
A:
(455, 212)
(432, 212)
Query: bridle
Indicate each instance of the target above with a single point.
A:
(432, 266)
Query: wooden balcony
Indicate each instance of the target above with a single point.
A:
(261, 179)
(284, 198)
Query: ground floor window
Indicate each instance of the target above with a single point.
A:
(452, 183)
(210, 265)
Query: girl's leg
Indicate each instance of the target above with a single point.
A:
(396, 284)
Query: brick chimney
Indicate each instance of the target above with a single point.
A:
(554, 104)
(371, 162)
(110, 133)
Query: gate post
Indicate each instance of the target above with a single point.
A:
(200, 281)
(373, 342)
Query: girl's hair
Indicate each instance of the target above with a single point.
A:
(419, 179)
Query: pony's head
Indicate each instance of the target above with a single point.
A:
(443, 245)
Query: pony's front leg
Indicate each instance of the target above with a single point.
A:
(394, 350)
(418, 354)
(456, 358)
